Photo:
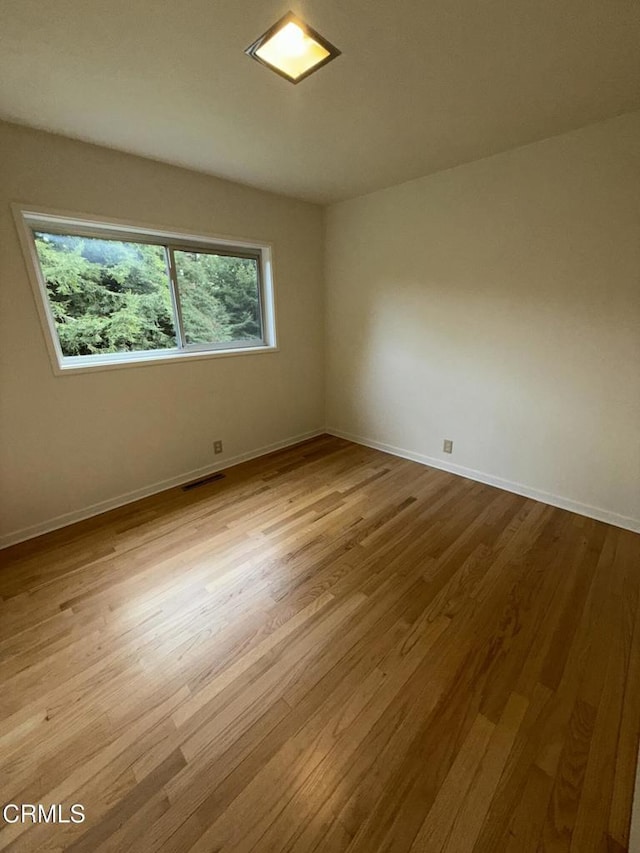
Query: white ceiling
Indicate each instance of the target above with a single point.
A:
(422, 85)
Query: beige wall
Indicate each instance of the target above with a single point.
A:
(498, 304)
(68, 443)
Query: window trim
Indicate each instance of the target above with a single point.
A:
(28, 217)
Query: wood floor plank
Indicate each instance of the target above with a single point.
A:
(436, 829)
(330, 649)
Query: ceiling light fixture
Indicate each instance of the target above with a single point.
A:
(292, 49)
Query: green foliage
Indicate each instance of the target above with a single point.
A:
(218, 296)
(110, 296)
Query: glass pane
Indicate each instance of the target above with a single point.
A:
(106, 296)
(219, 296)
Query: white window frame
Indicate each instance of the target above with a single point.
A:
(30, 218)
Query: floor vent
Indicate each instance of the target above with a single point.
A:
(202, 482)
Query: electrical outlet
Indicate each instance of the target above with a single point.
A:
(217, 447)
(448, 445)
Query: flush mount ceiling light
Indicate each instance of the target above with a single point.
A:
(292, 49)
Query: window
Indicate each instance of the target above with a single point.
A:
(110, 294)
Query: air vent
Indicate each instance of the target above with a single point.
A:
(203, 482)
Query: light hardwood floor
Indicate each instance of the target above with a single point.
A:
(331, 649)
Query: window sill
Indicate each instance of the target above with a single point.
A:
(163, 358)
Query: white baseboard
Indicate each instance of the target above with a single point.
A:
(55, 523)
(517, 488)
(67, 518)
